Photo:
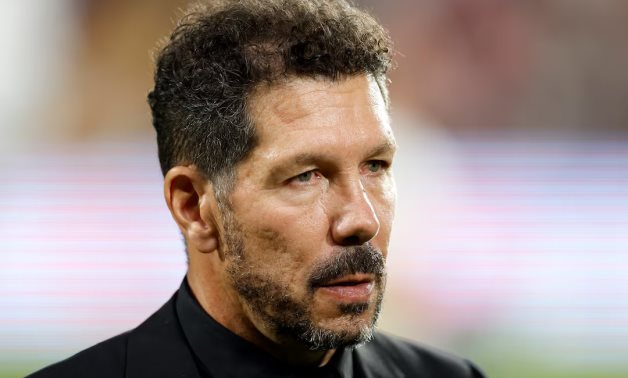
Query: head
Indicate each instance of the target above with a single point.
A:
(274, 139)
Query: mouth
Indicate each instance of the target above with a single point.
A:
(350, 288)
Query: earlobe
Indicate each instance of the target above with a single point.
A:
(188, 194)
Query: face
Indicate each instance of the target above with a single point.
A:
(309, 218)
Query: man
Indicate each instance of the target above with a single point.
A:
(276, 149)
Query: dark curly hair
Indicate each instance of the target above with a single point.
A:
(223, 50)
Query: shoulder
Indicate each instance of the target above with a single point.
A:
(106, 359)
(154, 343)
(407, 359)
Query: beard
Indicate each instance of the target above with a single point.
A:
(290, 318)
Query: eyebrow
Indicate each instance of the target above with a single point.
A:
(309, 158)
(383, 148)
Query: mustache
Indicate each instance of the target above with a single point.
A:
(351, 260)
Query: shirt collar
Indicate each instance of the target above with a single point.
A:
(221, 353)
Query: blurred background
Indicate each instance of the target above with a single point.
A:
(511, 239)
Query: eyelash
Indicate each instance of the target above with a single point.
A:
(382, 165)
(309, 175)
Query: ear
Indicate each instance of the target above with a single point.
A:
(190, 198)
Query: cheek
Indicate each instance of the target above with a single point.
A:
(388, 210)
(390, 198)
(286, 240)
(384, 204)
(298, 225)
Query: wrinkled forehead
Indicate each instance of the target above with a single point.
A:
(296, 98)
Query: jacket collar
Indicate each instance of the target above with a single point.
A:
(157, 348)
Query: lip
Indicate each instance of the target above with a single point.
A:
(352, 288)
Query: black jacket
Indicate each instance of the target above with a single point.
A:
(159, 348)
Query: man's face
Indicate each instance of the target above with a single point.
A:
(309, 218)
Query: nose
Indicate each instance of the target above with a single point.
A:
(355, 219)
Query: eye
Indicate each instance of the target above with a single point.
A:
(375, 166)
(305, 176)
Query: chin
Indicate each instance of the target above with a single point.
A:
(354, 325)
(322, 339)
(358, 323)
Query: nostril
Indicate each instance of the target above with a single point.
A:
(351, 240)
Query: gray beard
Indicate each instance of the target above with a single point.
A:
(291, 319)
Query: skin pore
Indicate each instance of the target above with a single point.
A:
(294, 261)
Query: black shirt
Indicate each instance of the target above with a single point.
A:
(182, 340)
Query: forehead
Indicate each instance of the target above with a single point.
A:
(315, 112)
